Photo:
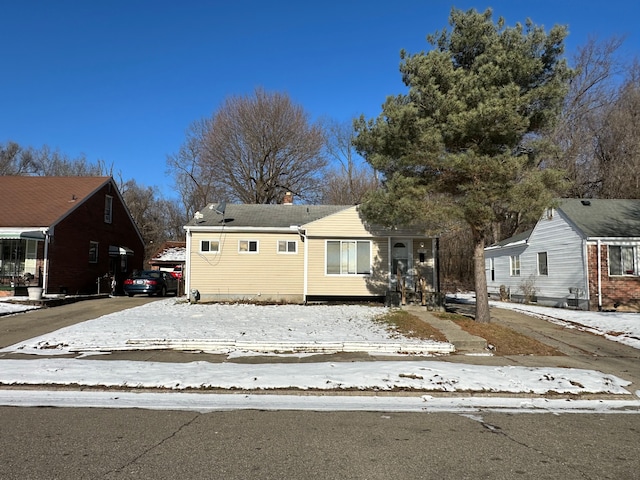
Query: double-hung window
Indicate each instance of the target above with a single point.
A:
(248, 246)
(543, 267)
(622, 260)
(108, 209)
(515, 265)
(348, 257)
(287, 246)
(209, 246)
(93, 252)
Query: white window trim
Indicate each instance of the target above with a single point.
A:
(538, 264)
(287, 252)
(210, 252)
(512, 270)
(341, 274)
(636, 265)
(248, 251)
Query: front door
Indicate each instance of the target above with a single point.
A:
(401, 261)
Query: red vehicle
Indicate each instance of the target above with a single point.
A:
(177, 272)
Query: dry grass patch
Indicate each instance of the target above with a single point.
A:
(401, 322)
(505, 340)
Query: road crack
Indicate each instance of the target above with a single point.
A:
(164, 440)
(498, 431)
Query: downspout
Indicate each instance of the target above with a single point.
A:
(436, 263)
(45, 268)
(305, 269)
(187, 266)
(599, 276)
(389, 264)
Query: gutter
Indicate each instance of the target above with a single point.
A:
(227, 229)
(187, 264)
(599, 276)
(45, 268)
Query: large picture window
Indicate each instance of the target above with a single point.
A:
(348, 257)
(622, 260)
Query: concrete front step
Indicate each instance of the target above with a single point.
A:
(463, 341)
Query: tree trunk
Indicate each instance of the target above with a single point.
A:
(482, 296)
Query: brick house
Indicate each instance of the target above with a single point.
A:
(66, 234)
(584, 254)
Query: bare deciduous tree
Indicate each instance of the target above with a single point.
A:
(158, 219)
(618, 152)
(253, 150)
(14, 160)
(194, 182)
(591, 92)
(349, 180)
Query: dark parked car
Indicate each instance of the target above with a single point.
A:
(151, 282)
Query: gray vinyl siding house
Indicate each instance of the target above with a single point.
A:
(582, 254)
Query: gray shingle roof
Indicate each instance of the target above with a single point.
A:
(264, 216)
(604, 217)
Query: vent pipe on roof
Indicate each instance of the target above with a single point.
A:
(586, 203)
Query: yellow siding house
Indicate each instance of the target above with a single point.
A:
(301, 253)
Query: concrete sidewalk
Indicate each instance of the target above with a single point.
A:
(463, 341)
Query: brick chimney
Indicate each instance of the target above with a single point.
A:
(288, 199)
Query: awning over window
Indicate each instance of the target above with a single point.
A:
(115, 250)
(17, 233)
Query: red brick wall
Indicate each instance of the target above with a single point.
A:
(619, 292)
(69, 266)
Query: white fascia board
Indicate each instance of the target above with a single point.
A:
(616, 240)
(226, 229)
(508, 245)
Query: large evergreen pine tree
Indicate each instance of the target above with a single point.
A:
(464, 142)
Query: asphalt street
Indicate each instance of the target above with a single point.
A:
(49, 443)
(88, 443)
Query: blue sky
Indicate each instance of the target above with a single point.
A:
(121, 81)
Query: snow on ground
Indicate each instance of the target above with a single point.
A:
(217, 328)
(7, 308)
(175, 320)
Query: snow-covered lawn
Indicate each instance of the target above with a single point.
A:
(218, 326)
(230, 329)
(7, 308)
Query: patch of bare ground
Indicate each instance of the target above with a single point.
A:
(403, 323)
(505, 340)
